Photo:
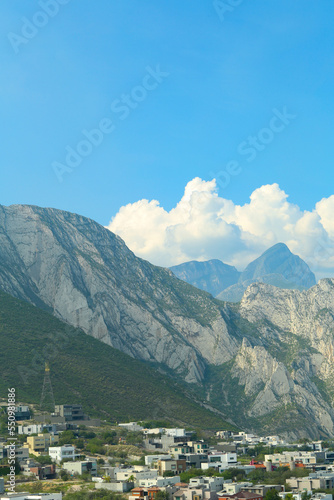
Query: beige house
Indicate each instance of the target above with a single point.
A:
(40, 444)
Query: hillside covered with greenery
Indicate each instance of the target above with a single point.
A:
(108, 383)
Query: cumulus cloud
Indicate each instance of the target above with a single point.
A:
(205, 226)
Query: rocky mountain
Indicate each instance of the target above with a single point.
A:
(213, 276)
(280, 261)
(86, 276)
(277, 266)
(112, 380)
(264, 363)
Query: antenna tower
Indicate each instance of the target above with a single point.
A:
(47, 403)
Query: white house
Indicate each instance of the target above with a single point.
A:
(35, 428)
(221, 460)
(210, 483)
(159, 481)
(150, 459)
(176, 432)
(81, 467)
(59, 453)
(125, 474)
(32, 496)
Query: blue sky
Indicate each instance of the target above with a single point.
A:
(225, 78)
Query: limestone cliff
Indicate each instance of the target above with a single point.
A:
(265, 363)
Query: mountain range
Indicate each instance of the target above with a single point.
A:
(277, 266)
(264, 363)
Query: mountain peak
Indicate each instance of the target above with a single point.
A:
(278, 259)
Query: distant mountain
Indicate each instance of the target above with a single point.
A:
(279, 260)
(213, 276)
(277, 266)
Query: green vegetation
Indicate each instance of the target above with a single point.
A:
(94, 495)
(278, 476)
(104, 380)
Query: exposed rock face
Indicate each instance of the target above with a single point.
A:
(266, 363)
(271, 387)
(89, 278)
(213, 276)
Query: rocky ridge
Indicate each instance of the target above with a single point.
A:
(266, 363)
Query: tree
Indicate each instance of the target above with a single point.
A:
(272, 495)
(161, 495)
(43, 459)
(64, 475)
(168, 473)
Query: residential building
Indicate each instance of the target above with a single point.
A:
(159, 481)
(232, 488)
(32, 496)
(36, 429)
(193, 459)
(156, 431)
(129, 473)
(81, 467)
(69, 412)
(177, 432)
(138, 494)
(59, 453)
(170, 465)
(262, 489)
(314, 481)
(22, 412)
(41, 471)
(220, 461)
(211, 483)
(39, 445)
(242, 495)
(288, 457)
(185, 493)
(21, 452)
(322, 496)
(224, 434)
(151, 459)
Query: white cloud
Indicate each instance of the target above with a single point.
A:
(206, 226)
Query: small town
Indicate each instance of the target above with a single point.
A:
(167, 250)
(66, 454)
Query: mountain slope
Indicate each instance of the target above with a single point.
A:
(265, 363)
(213, 276)
(88, 277)
(108, 383)
(283, 371)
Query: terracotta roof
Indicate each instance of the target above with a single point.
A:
(248, 495)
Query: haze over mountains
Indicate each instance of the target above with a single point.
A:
(277, 266)
(264, 363)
